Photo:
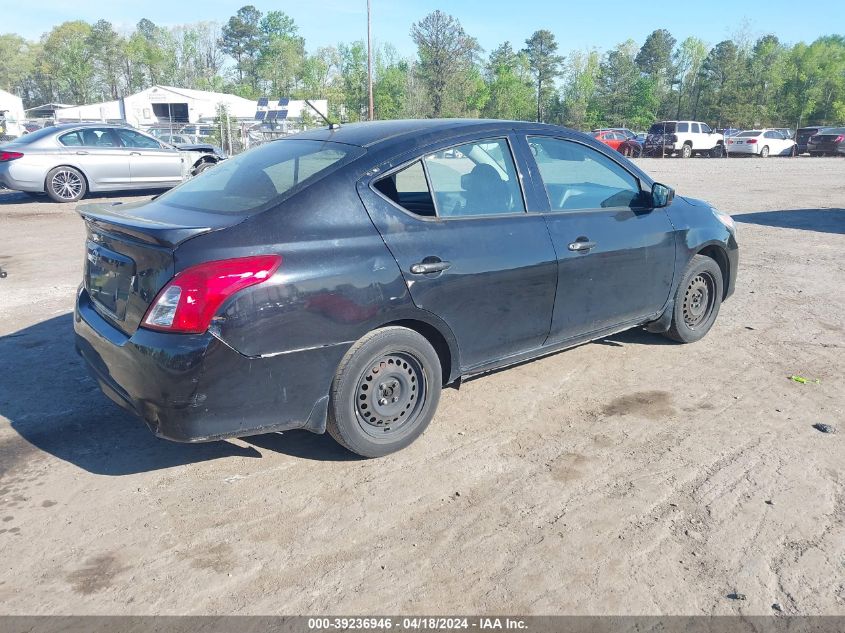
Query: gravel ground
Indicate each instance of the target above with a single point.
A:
(628, 476)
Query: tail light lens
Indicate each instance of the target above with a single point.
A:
(190, 300)
(839, 139)
(751, 141)
(7, 156)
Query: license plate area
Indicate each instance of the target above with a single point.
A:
(108, 279)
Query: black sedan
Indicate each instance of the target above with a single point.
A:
(828, 142)
(337, 279)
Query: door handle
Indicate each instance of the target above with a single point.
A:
(430, 265)
(82, 153)
(134, 153)
(581, 245)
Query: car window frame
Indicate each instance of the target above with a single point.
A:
(110, 131)
(540, 183)
(506, 136)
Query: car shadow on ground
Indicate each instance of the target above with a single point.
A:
(9, 197)
(54, 404)
(821, 220)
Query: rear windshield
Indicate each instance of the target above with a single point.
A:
(26, 139)
(750, 133)
(834, 130)
(658, 128)
(248, 182)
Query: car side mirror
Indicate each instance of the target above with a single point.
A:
(661, 195)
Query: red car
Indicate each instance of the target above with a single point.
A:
(611, 138)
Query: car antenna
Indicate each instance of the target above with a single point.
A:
(331, 124)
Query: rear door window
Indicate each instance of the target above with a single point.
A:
(695, 128)
(473, 179)
(408, 188)
(71, 139)
(482, 181)
(98, 137)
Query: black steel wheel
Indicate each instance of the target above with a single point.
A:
(697, 300)
(65, 184)
(390, 395)
(385, 392)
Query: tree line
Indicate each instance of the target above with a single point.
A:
(740, 81)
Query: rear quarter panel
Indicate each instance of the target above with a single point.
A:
(336, 282)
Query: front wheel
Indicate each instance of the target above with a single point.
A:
(207, 164)
(697, 300)
(385, 392)
(65, 184)
(717, 152)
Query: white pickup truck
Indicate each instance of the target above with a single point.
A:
(684, 138)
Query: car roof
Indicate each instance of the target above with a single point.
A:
(386, 133)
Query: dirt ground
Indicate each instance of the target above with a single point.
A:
(627, 476)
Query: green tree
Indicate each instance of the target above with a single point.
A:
(17, 62)
(107, 48)
(510, 87)
(66, 58)
(241, 38)
(541, 49)
(618, 75)
(688, 60)
(446, 56)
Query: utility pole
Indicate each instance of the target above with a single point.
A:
(370, 62)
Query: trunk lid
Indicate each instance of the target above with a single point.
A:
(129, 254)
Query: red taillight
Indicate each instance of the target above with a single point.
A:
(730, 142)
(189, 301)
(751, 141)
(839, 139)
(7, 156)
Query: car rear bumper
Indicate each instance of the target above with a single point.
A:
(193, 387)
(733, 148)
(827, 148)
(21, 177)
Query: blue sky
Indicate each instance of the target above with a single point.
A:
(577, 25)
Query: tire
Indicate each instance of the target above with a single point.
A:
(686, 150)
(697, 300)
(764, 151)
(65, 184)
(385, 392)
(718, 151)
(794, 151)
(203, 166)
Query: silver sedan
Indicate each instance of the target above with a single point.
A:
(68, 161)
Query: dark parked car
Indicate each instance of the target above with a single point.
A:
(336, 279)
(803, 135)
(829, 142)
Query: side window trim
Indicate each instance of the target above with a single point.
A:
(506, 137)
(551, 211)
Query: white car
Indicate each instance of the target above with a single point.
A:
(684, 138)
(761, 143)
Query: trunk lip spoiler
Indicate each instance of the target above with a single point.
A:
(123, 220)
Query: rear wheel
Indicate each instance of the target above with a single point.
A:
(65, 184)
(686, 151)
(764, 151)
(697, 300)
(385, 392)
